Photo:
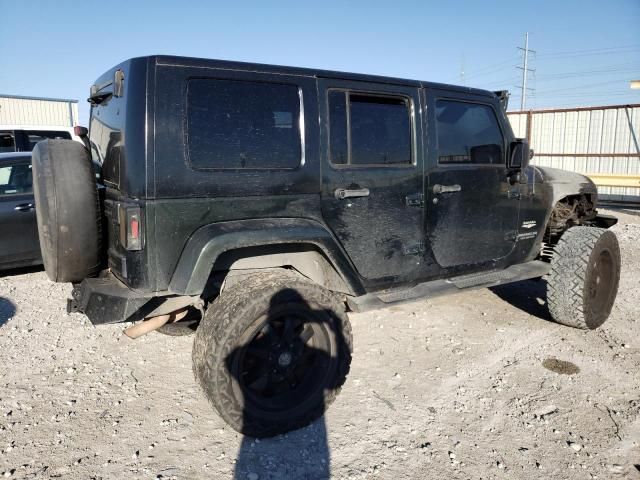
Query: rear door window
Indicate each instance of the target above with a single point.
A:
(371, 130)
(234, 124)
(468, 133)
(16, 179)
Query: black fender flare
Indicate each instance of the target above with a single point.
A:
(210, 241)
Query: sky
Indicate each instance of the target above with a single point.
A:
(586, 52)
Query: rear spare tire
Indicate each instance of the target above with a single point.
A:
(584, 277)
(67, 209)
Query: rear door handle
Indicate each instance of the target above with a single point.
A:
(438, 189)
(25, 207)
(342, 193)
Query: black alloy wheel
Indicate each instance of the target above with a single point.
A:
(285, 359)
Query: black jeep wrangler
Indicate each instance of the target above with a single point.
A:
(256, 205)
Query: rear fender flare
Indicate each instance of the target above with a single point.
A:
(209, 242)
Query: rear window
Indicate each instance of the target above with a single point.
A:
(234, 124)
(35, 136)
(7, 142)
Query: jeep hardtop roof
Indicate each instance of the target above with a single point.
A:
(307, 72)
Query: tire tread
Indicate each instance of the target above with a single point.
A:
(568, 275)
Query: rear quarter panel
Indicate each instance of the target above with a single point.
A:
(182, 199)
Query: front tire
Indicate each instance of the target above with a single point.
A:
(584, 277)
(272, 352)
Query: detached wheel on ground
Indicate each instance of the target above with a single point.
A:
(272, 352)
(67, 210)
(584, 277)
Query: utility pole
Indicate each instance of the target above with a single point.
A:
(525, 70)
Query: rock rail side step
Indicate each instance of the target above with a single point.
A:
(437, 288)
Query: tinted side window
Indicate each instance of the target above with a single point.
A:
(7, 142)
(35, 136)
(234, 124)
(369, 129)
(338, 137)
(15, 179)
(468, 133)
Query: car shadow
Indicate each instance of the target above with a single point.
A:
(302, 453)
(529, 296)
(12, 272)
(7, 310)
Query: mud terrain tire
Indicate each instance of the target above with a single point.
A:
(584, 277)
(251, 318)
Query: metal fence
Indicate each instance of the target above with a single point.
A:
(602, 142)
(19, 110)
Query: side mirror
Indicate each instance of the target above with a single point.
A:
(520, 155)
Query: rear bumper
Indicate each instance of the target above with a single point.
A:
(108, 300)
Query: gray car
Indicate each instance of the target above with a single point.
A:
(19, 244)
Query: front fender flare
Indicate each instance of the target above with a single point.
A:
(210, 241)
(564, 183)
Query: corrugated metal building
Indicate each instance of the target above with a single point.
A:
(36, 111)
(589, 140)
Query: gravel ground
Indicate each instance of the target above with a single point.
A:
(466, 386)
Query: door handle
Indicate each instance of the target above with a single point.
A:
(342, 193)
(438, 189)
(25, 207)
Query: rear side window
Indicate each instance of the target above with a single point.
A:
(7, 142)
(468, 133)
(16, 179)
(35, 136)
(369, 129)
(234, 124)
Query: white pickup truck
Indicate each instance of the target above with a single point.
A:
(22, 138)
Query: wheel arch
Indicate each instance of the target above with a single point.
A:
(302, 244)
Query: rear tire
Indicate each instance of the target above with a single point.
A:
(272, 352)
(584, 277)
(67, 209)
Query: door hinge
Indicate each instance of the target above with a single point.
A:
(414, 249)
(415, 200)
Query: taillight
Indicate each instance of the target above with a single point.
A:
(131, 228)
(80, 131)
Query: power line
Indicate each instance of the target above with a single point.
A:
(592, 51)
(578, 87)
(616, 93)
(503, 66)
(488, 69)
(621, 68)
